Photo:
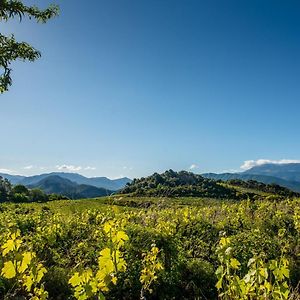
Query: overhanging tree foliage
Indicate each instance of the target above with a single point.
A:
(10, 49)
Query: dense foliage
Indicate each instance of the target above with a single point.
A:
(20, 193)
(178, 184)
(174, 249)
(187, 184)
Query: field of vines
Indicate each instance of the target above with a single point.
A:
(143, 248)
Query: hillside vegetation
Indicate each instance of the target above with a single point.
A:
(266, 188)
(176, 184)
(187, 184)
(174, 249)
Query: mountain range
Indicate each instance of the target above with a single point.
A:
(55, 184)
(100, 182)
(286, 175)
(72, 185)
(75, 185)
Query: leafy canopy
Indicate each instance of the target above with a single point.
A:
(10, 49)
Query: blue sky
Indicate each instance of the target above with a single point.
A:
(127, 88)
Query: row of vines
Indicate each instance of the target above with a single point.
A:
(245, 250)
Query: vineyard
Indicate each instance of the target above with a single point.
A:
(150, 248)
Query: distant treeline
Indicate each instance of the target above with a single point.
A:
(20, 193)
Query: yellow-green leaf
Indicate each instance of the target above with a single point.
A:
(27, 257)
(75, 280)
(8, 270)
(28, 282)
(8, 246)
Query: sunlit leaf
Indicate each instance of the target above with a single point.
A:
(8, 270)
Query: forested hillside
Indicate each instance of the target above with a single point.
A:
(187, 184)
(176, 184)
(266, 188)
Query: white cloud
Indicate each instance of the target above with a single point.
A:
(117, 177)
(248, 164)
(28, 167)
(229, 171)
(7, 171)
(90, 168)
(68, 168)
(72, 168)
(193, 167)
(127, 168)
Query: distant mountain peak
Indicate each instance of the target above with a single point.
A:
(289, 171)
(99, 182)
(286, 175)
(59, 185)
